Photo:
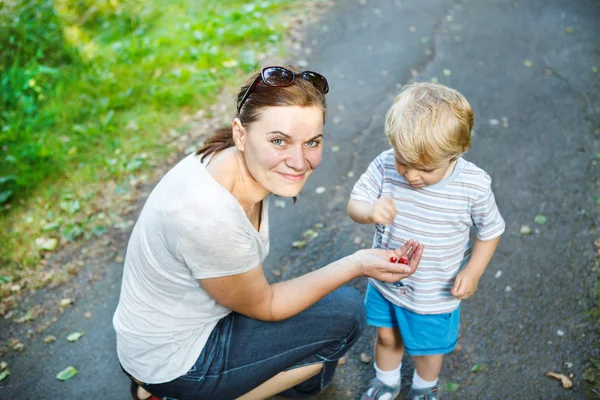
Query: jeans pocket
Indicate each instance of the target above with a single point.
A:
(195, 374)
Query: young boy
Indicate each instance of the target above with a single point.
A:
(423, 189)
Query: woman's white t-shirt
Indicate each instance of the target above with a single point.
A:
(190, 228)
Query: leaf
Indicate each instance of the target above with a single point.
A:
(46, 244)
(540, 219)
(8, 178)
(525, 230)
(71, 207)
(4, 279)
(476, 367)
(452, 387)
(566, 382)
(67, 373)
(74, 336)
(335, 149)
(298, 244)
(51, 226)
(50, 339)
(5, 195)
(134, 164)
(589, 375)
(4, 374)
(447, 72)
(66, 302)
(528, 63)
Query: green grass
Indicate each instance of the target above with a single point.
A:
(86, 115)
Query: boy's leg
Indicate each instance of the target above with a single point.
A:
(389, 347)
(429, 367)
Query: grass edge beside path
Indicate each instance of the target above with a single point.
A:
(84, 204)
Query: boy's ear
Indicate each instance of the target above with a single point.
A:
(239, 134)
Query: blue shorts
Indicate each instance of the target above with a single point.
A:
(422, 334)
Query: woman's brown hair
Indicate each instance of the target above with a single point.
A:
(301, 94)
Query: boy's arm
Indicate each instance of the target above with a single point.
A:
(382, 212)
(466, 281)
(360, 211)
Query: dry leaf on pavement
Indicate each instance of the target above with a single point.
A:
(566, 382)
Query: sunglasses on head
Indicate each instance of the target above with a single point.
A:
(281, 77)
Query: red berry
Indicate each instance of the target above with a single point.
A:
(403, 261)
(393, 259)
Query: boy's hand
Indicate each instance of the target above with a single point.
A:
(465, 285)
(384, 211)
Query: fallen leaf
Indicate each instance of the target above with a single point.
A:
(3, 365)
(589, 375)
(508, 289)
(335, 149)
(74, 336)
(447, 72)
(566, 382)
(298, 244)
(276, 272)
(560, 333)
(280, 203)
(18, 346)
(528, 63)
(498, 274)
(67, 373)
(452, 387)
(66, 302)
(594, 69)
(310, 234)
(597, 242)
(87, 314)
(341, 361)
(494, 122)
(50, 339)
(48, 244)
(476, 367)
(364, 357)
(540, 219)
(569, 30)
(319, 225)
(357, 240)
(320, 190)
(525, 230)
(4, 374)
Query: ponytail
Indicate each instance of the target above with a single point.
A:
(221, 139)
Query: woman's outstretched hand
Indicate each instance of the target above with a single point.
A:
(377, 264)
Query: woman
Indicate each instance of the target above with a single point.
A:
(197, 318)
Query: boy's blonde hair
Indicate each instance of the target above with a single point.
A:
(429, 123)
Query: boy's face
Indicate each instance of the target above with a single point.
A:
(424, 176)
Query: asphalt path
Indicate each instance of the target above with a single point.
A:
(527, 69)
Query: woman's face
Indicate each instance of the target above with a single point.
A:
(283, 147)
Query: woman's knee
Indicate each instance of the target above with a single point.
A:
(346, 305)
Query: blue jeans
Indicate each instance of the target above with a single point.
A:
(242, 353)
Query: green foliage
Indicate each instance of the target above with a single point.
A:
(89, 89)
(147, 57)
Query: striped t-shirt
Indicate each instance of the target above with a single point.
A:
(440, 217)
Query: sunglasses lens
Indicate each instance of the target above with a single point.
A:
(318, 81)
(275, 76)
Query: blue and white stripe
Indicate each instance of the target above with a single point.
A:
(440, 216)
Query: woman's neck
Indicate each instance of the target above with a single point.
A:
(229, 169)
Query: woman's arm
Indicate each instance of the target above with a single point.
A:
(251, 294)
